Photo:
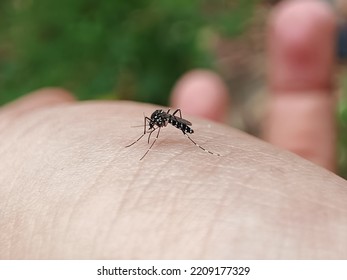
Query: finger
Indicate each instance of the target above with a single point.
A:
(41, 98)
(202, 93)
(301, 64)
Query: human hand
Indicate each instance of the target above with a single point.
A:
(302, 101)
(70, 189)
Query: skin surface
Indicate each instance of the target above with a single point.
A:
(69, 189)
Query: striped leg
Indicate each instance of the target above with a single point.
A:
(152, 144)
(196, 144)
(149, 136)
(144, 132)
(179, 111)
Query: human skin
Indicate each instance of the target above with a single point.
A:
(301, 60)
(71, 190)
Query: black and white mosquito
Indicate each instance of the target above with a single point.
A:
(160, 119)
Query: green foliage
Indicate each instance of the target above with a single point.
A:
(342, 124)
(120, 49)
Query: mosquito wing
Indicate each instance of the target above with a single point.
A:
(183, 121)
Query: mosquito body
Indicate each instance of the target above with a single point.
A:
(160, 119)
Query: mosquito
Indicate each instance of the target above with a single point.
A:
(160, 119)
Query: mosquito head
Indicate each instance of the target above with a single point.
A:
(158, 118)
(156, 113)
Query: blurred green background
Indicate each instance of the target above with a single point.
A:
(110, 49)
(138, 49)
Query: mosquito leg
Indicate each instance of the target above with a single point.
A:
(149, 136)
(144, 126)
(202, 148)
(179, 111)
(144, 132)
(152, 144)
(127, 146)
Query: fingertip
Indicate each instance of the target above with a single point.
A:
(202, 93)
(301, 45)
(298, 12)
